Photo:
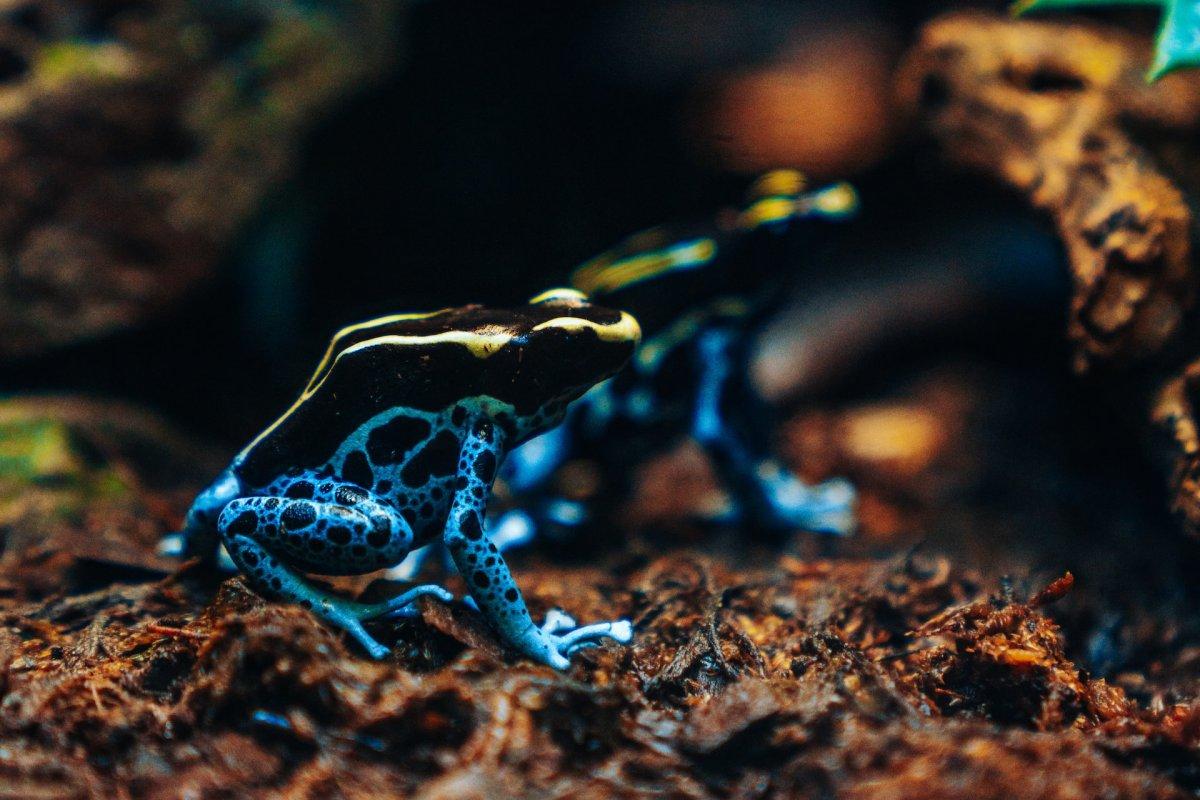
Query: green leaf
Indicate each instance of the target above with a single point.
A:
(1178, 45)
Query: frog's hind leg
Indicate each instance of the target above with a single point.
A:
(263, 535)
(765, 491)
(487, 575)
(511, 530)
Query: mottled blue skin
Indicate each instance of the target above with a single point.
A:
(690, 378)
(405, 475)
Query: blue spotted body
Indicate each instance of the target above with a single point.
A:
(395, 443)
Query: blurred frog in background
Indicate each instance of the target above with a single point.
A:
(701, 293)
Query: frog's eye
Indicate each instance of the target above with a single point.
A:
(560, 296)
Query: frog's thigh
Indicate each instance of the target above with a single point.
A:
(326, 537)
(270, 576)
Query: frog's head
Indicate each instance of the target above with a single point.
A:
(563, 345)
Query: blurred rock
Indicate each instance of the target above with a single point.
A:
(821, 104)
(1062, 113)
(137, 138)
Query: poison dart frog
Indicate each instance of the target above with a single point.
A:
(700, 293)
(395, 443)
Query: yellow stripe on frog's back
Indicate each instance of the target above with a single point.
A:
(335, 344)
(625, 329)
(604, 274)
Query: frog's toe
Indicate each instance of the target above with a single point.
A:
(571, 642)
(827, 507)
(404, 605)
(374, 649)
(557, 620)
(173, 545)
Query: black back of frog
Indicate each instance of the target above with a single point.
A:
(534, 359)
(734, 265)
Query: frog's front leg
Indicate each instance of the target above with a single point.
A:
(487, 575)
(341, 531)
(764, 489)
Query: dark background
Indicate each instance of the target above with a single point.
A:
(515, 140)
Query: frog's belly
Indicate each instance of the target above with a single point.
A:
(407, 458)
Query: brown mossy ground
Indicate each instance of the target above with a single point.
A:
(900, 663)
(1015, 618)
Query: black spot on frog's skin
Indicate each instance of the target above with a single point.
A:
(250, 557)
(316, 545)
(378, 538)
(339, 535)
(358, 551)
(326, 488)
(355, 469)
(436, 493)
(510, 595)
(272, 503)
(245, 522)
(435, 459)
(485, 467)
(301, 490)
(297, 516)
(390, 443)
(471, 527)
(383, 487)
(458, 416)
(481, 580)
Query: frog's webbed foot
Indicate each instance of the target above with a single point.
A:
(487, 576)
(558, 638)
(339, 531)
(825, 507)
(176, 545)
(200, 537)
(271, 576)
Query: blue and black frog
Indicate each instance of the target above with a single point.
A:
(701, 294)
(395, 443)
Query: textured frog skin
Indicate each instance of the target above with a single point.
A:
(396, 442)
(700, 293)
